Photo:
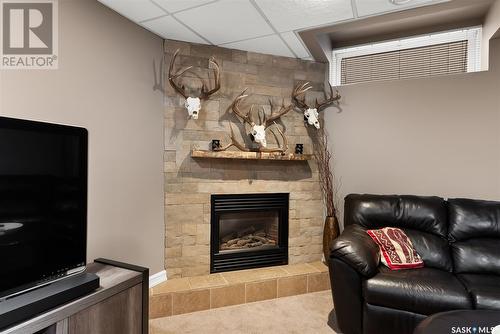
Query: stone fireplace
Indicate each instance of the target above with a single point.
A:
(248, 231)
(190, 182)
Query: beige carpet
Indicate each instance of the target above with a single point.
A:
(298, 314)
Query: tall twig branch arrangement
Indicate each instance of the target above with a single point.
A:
(323, 158)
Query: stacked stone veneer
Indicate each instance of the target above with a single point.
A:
(190, 182)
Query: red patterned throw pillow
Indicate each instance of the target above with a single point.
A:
(396, 249)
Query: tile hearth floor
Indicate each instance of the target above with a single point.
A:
(199, 293)
(302, 314)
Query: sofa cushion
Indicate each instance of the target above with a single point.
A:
(434, 250)
(423, 219)
(481, 256)
(424, 291)
(426, 214)
(470, 218)
(484, 289)
(475, 235)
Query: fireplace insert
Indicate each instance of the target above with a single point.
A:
(248, 231)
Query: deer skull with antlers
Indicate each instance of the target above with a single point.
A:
(234, 142)
(193, 104)
(258, 131)
(311, 115)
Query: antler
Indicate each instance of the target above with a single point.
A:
(301, 102)
(247, 118)
(205, 94)
(234, 142)
(283, 110)
(301, 90)
(328, 99)
(282, 148)
(172, 77)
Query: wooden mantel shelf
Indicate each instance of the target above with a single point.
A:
(250, 155)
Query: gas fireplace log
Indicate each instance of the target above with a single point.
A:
(232, 241)
(228, 237)
(243, 242)
(246, 231)
(247, 241)
(261, 239)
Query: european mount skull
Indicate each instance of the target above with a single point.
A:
(311, 115)
(258, 131)
(259, 135)
(193, 104)
(283, 146)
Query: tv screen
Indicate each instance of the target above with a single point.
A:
(43, 203)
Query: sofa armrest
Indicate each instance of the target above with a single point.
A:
(355, 247)
(347, 297)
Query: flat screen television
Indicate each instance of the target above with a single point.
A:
(43, 203)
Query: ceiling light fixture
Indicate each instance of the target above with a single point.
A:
(400, 2)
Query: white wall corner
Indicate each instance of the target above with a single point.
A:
(157, 278)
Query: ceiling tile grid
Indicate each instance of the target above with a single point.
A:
(271, 44)
(135, 10)
(173, 6)
(226, 21)
(266, 26)
(168, 27)
(287, 15)
(376, 7)
(295, 43)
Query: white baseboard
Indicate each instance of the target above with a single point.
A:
(157, 278)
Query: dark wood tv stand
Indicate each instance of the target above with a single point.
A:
(120, 305)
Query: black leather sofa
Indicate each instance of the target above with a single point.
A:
(458, 239)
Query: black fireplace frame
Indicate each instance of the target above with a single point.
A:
(234, 203)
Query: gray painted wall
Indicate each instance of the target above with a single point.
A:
(104, 83)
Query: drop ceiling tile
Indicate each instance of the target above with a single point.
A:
(135, 10)
(286, 15)
(372, 7)
(173, 6)
(226, 21)
(170, 28)
(272, 45)
(293, 42)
